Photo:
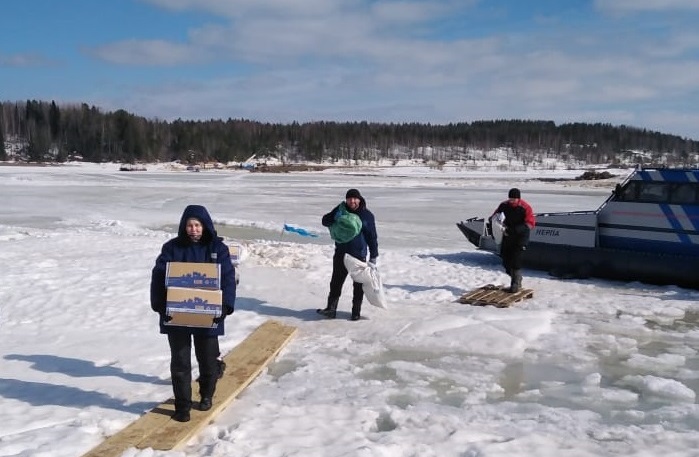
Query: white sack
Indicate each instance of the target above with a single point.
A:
(498, 227)
(368, 275)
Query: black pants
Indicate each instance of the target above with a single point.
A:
(512, 248)
(338, 279)
(206, 351)
(511, 253)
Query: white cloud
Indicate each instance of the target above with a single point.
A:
(409, 11)
(24, 60)
(238, 8)
(345, 60)
(631, 6)
(268, 30)
(148, 53)
(675, 45)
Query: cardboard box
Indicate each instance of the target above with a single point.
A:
(190, 307)
(193, 275)
(235, 251)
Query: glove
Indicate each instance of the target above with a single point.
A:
(165, 317)
(219, 319)
(373, 260)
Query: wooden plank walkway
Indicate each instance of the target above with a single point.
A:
(497, 296)
(156, 430)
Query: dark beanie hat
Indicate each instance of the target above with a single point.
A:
(514, 193)
(353, 193)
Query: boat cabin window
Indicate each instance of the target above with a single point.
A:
(654, 192)
(628, 193)
(659, 192)
(684, 193)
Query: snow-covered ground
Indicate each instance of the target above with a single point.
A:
(584, 368)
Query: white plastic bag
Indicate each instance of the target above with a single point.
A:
(368, 275)
(498, 227)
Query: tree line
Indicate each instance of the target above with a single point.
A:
(47, 131)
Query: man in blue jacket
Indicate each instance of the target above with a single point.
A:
(196, 241)
(356, 246)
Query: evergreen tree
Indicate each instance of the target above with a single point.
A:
(3, 153)
(122, 136)
(54, 121)
(55, 129)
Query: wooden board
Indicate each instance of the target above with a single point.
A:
(156, 430)
(497, 296)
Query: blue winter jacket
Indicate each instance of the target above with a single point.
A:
(209, 249)
(367, 238)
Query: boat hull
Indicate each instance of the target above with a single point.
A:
(616, 264)
(647, 230)
(567, 261)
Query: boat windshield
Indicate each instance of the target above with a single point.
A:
(686, 193)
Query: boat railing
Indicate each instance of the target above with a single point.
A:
(618, 188)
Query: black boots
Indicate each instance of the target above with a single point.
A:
(327, 312)
(205, 404)
(516, 283)
(221, 368)
(331, 310)
(181, 416)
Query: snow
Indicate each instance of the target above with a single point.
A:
(584, 368)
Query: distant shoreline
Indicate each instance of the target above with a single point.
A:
(31, 164)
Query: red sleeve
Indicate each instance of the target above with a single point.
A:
(529, 218)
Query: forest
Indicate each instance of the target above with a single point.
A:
(44, 131)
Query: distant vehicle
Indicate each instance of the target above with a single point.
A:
(249, 164)
(132, 167)
(647, 230)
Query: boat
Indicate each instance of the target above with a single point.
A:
(647, 230)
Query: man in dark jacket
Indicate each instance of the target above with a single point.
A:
(196, 241)
(357, 246)
(519, 220)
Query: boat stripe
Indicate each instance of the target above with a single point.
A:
(668, 175)
(692, 212)
(642, 228)
(684, 238)
(673, 176)
(645, 175)
(564, 226)
(682, 218)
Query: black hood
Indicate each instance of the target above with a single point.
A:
(199, 212)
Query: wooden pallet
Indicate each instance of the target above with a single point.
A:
(497, 296)
(156, 430)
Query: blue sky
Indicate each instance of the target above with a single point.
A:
(632, 62)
